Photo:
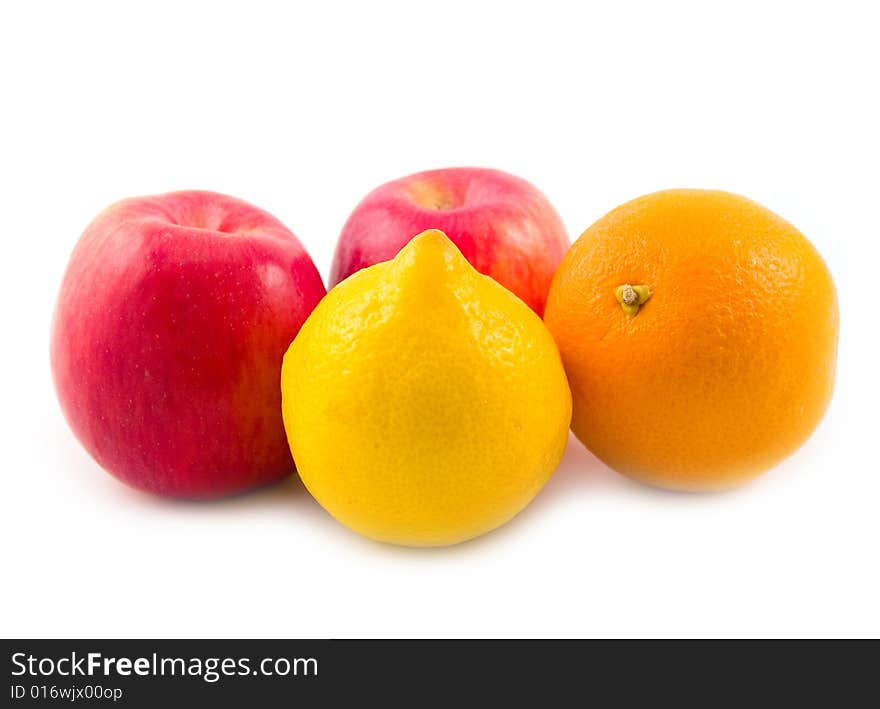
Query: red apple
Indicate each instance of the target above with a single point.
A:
(172, 321)
(502, 224)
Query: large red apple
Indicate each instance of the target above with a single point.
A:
(502, 224)
(172, 321)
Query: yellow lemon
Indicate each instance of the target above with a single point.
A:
(424, 403)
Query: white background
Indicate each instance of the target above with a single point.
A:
(304, 110)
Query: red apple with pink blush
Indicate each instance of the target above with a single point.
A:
(503, 226)
(174, 314)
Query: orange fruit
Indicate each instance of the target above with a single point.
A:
(698, 330)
